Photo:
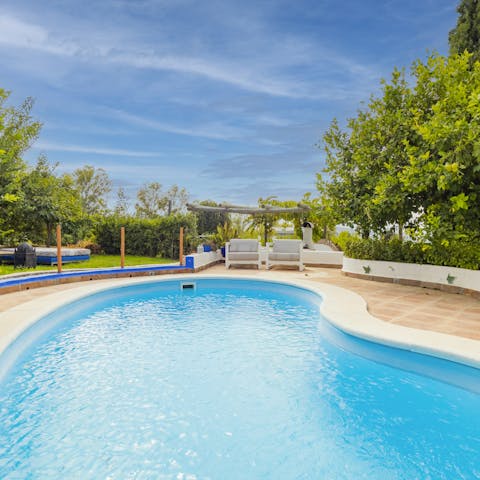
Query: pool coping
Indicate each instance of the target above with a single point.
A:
(26, 280)
(344, 309)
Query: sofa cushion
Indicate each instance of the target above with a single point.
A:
(243, 245)
(287, 246)
(288, 257)
(243, 256)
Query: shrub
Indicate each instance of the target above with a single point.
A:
(146, 237)
(342, 238)
(455, 253)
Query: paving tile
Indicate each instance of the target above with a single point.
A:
(433, 310)
(473, 310)
(385, 313)
(472, 317)
(450, 308)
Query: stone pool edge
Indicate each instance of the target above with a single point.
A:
(344, 309)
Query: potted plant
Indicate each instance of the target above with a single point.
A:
(224, 233)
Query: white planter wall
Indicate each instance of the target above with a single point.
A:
(313, 257)
(202, 260)
(310, 257)
(411, 272)
(322, 257)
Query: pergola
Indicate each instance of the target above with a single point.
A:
(266, 210)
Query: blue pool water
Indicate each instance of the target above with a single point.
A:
(234, 380)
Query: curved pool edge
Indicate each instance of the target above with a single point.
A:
(25, 281)
(352, 317)
(343, 308)
(347, 311)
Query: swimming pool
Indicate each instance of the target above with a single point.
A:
(230, 379)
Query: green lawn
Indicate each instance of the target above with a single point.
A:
(96, 261)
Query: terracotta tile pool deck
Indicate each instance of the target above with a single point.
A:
(409, 306)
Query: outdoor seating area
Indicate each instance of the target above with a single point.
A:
(248, 252)
(242, 251)
(286, 253)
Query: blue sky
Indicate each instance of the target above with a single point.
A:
(225, 98)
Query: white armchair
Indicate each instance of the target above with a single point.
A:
(286, 252)
(242, 251)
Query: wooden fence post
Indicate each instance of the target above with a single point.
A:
(59, 248)
(122, 247)
(180, 248)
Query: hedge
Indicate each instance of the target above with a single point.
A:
(151, 238)
(455, 253)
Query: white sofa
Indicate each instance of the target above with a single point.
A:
(242, 251)
(286, 252)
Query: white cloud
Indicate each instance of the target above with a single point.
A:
(262, 71)
(216, 70)
(272, 165)
(19, 34)
(93, 150)
(16, 33)
(212, 131)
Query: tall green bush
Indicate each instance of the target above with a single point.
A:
(461, 254)
(342, 239)
(157, 237)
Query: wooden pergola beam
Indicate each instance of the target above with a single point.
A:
(300, 208)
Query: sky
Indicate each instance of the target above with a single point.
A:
(228, 99)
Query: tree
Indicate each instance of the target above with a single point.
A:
(392, 204)
(18, 131)
(121, 207)
(412, 156)
(323, 217)
(466, 34)
(151, 202)
(177, 199)
(47, 201)
(340, 183)
(360, 182)
(93, 185)
(444, 164)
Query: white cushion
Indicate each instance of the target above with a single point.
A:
(287, 246)
(243, 245)
(243, 256)
(289, 257)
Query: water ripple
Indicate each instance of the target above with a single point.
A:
(224, 385)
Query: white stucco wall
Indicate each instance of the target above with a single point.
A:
(457, 277)
(310, 257)
(203, 259)
(322, 257)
